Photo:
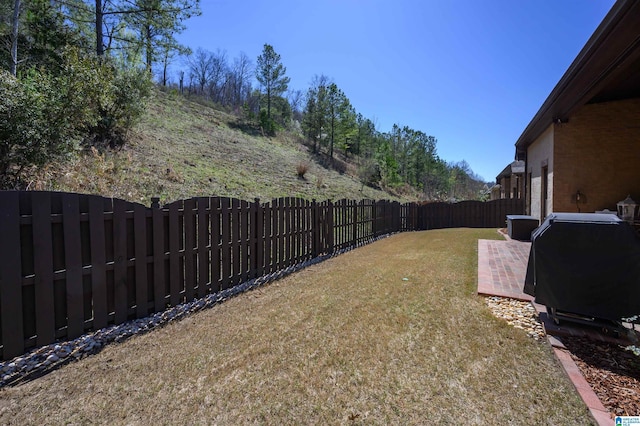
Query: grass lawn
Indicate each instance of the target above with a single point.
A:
(390, 333)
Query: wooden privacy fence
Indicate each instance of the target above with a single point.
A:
(469, 214)
(70, 263)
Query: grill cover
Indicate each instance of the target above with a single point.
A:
(587, 264)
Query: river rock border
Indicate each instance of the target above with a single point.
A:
(518, 314)
(45, 359)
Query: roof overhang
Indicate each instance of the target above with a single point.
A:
(606, 69)
(514, 168)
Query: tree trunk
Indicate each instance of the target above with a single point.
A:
(14, 37)
(99, 41)
(164, 70)
(149, 47)
(269, 103)
(332, 132)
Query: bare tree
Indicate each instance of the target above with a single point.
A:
(296, 101)
(239, 80)
(14, 36)
(200, 68)
(219, 70)
(169, 52)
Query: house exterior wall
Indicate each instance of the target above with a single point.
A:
(495, 192)
(539, 156)
(597, 152)
(512, 186)
(505, 187)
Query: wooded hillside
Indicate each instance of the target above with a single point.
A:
(76, 94)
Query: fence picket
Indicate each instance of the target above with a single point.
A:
(73, 265)
(43, 268)
(217, 244)
(204, 249)
(11, 276)
(235, 241)
(281, 236)
(98, 262)
(140, 254)
(245, 212)
(268, 237)
(175, 236)
(159, 286)
(287, 215)
(120, 260)
(189, 261)
(258, 227)
(226, 243)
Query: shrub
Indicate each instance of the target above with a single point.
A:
(369, 173)
(302, 169)
(44, 116)
(124, 101)
(267, 124)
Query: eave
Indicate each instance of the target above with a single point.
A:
(607, 68)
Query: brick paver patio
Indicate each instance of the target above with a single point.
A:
(502, 266)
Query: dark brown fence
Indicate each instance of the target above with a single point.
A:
(71, 263)
(468, 214)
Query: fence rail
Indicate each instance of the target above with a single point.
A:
(70, 263)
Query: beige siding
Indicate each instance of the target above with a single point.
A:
(539, 155)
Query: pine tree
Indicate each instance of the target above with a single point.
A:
(270, 73)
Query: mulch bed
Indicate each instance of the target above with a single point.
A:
(612, 372)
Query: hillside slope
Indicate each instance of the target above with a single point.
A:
(182, 149)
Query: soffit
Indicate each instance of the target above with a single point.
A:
(607, 68)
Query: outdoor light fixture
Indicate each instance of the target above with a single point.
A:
(627, 209)
(578, 198)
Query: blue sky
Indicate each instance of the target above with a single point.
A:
(471, 73)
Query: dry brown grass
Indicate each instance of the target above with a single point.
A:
(391, 333)
(302, 169)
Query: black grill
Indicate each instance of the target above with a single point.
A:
(586, 264)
